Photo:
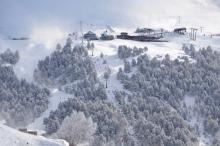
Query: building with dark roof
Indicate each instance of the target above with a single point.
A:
(180, 30)
(90, 36)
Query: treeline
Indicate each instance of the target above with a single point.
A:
(137, 120)
(9, 57)
(152, 113)
(171, 80)
(126, 52)
(20, 101)
(104, 114)
(140, 121)
(72, 70)
(153, 122)
(65, 65)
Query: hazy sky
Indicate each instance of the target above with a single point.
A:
(22, 15)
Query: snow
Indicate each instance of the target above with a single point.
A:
(45, 29)
(31, 51)
(35, 49)
(56, 98)
(110, 50)
(201, 41)
(13, 137)
(189, 101)
(154, 48)
(204, 140)
(113, 83)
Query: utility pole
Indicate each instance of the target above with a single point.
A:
(81, 29)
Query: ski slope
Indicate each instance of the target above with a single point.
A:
(204, 140)
(110, 50)
(48, 26)
(33, 50)
(13, 137)
(56, 98)
(155, 49)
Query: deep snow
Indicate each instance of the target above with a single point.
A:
(35, 49)
(13, 137)
(204, 140)
(56, 98)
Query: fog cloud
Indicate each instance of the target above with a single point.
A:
(23, 14)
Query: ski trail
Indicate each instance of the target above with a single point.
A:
(194, 120)
(56, 98)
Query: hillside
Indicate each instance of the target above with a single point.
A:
(109, 49)
(12, 137)
(142, 80)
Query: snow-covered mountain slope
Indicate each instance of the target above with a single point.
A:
(41, 44)
(173, 47)
(204, 140)
(46, 26)
(12, 137)
(31, 51)
(56, 98)
(110, 50)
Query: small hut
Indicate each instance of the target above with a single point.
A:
(90, 36)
